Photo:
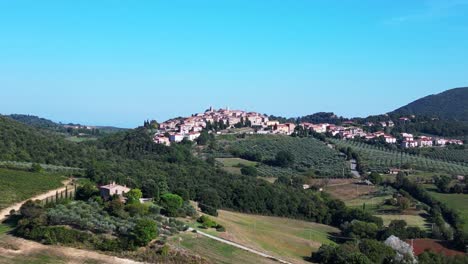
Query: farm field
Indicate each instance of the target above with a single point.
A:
(215, 251)
(447, 154)
(16, 186)
(371, 198)
(412, 220)
(457, 202)
(287, 239)
(80, 139)
(233, 165)
(310, 154)
(381, 159)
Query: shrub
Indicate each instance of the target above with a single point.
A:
(144, 231)
(171, 203)
(249, 171)
(207, 222)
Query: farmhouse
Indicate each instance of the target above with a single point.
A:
(111, 189)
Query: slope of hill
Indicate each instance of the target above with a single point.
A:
(451, 104)
(70, 128)
(26, 143)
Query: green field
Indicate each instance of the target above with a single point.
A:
(310, 155)
(80, 139)
(215, 251)
(412, 220)
(458, 202)
(233, 165)
(381, 159)
(16, 186)
(284, 238)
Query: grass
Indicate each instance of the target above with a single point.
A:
(215, 251)
(16, 186)
(458, 202)
(80, 139)
(4, 228)
(282, 237)
(411, 220)
(38, 258)
(233, 165)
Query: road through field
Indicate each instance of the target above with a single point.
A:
(239, 246)
(4, 213)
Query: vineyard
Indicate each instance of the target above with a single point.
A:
(381, 159)
(454, 155)
(310, 155)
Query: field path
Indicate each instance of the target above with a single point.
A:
(239, 246)
(4, 213)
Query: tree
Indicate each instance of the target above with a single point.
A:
(443, 183)
(360, 229)
(204, 138)
(376, 251)
(86, 191)
(209, 201)
(249, 171)
(36, 168)
(150, 189)
(32, 209)
(284, 159)
(171, 203)
(375, 178)
(403, 203)
(144, 231)
(133, 196)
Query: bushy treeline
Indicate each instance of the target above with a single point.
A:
(439, 212)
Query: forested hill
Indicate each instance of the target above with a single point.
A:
(451, 104)
(21, 142)
(43, 123)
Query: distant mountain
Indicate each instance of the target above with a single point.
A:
(451, 104)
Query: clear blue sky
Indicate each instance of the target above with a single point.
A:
(120, 62)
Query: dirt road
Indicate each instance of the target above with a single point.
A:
(5, 212)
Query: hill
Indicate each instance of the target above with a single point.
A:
(68, 129)
(451, 104)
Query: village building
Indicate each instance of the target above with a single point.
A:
(162, 140)
(176, 137)
(424, 141)
(107, 191)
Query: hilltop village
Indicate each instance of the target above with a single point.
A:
(222, 120)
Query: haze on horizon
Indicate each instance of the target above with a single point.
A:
(118, 63)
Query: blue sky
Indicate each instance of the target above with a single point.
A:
(120, 62)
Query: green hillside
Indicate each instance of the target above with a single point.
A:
(451, 104)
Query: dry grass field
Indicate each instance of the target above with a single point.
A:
(284, 238)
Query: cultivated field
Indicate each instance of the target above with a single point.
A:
(381, 159)
(412, 220)
(233, 165)
(284, 238)
(372, 199)
(310, 155)
(16, 186)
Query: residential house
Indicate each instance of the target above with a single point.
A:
(176, 137)
(112, 189)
